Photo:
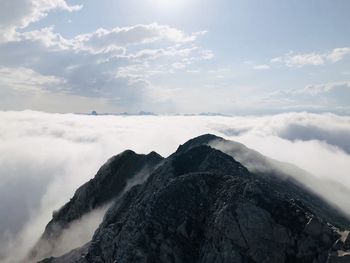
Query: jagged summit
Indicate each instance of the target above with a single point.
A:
(203, 158)
(204, 139)
(202, 205)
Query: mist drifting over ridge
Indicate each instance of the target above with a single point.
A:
(45, 157)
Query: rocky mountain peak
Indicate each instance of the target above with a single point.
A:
(200, 140)
(201, 205)
(108, 184)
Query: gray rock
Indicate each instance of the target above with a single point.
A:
(112, 179)
(347, 242)
(201, 205)
(339, 257)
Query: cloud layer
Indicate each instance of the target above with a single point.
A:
(45, 157)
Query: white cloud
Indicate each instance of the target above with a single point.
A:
(338, 54)
(313, 89)
(47, 38)
(207, 54)
(116, 39)
(320, 97)
(261, 67)
(50, 155)
(145, 63)
(291, 59)
(100, 64)
(103, 39)
(77, 234)
(16, 14)
(299, 60)
(25, 79)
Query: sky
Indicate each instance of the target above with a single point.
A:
(184, 56)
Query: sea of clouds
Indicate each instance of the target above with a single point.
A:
(45, 157)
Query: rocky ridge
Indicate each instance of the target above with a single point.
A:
(109, 183)
(201, 205)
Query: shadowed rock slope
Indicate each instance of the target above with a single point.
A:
(201, 205)
(109, 183)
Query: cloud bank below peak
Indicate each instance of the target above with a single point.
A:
(72, 148)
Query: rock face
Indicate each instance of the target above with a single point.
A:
(201, 205)
(108, 184)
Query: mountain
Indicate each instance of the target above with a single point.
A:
(201, 205)
(108, 184)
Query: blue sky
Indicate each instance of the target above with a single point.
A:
(237, 57)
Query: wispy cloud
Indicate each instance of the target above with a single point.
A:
(338, 54)
(292, 59)
(261, 67)
(314, 97)
(25, 79)
(20, 13)
(299, 60)
(315, 89)
(103, 40)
